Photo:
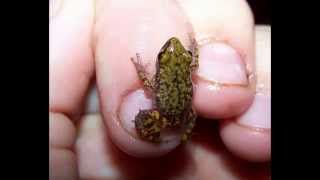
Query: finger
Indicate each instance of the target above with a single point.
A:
(213, 161)
(249, 135)
(62, 131)
(204, 158)
(62, 161)
(224, 30)
(94, 151)
(70, 69)
(99, 159)
(147, 27)
(148, 24)
(70, 60)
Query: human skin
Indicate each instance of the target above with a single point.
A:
(87, 41)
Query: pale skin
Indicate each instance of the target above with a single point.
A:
(90, 47)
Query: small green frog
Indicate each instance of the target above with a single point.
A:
(172, 90)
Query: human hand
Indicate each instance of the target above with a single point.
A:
(80, 41)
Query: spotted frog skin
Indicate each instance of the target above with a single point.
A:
(172, 90)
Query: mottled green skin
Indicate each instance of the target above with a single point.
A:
(173, 90)
(173, 79)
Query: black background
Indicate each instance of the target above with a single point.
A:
(261, 10)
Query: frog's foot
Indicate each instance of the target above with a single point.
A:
(190, 122)
(149, 124)
(142, 74)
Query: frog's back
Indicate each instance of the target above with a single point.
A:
(174, 86)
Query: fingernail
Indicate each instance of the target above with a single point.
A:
(130, 107)
(221, 63)
(54, 7)
(259, 113)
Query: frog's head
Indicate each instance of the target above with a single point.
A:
(173, 46)
(176, 45)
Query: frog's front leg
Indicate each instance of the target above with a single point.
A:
(195, 55)
(142, 74)
(189, 124)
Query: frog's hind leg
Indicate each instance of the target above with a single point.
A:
(190, 122)
(149, 124)
(142, 74)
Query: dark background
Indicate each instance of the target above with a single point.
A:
(261, 10)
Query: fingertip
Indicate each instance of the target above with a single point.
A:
(252, 144)
(62, 132)
(123, 132)
(249, 136)
(118, 114)
(130, 106)
(61, 137)
(224, 87)
(216, 102)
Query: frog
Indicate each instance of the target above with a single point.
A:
(171, 89)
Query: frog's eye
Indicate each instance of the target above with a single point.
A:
(163, 57)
